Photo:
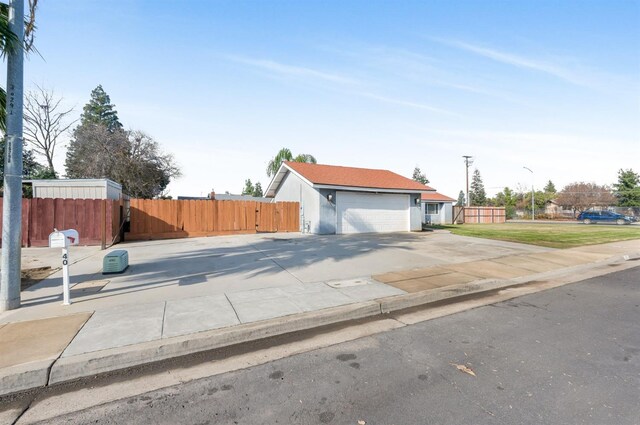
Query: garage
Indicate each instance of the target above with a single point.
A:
(372, 212)
(341, 200)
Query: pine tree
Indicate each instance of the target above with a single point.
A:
(248, 188)
(478, 195)
(461, 199)
(100, 110)
(627, 190)
(419, 176)
(550, 187)
(257, 190)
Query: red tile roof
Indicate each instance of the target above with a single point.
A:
(333, 175)
(435, 196)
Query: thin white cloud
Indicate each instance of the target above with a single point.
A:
(298, 71)
(552, 69)
(399, 64)
(402, 102)
(295, 71)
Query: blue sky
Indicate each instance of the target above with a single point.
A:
(551, 85)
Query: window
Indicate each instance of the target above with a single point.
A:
(432, 208)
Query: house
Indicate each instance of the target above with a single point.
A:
(76, 188)
(224, 197)
(437, 208)
(341, 200)
(552, 209)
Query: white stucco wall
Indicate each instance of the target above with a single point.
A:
(293, 189)
(444, 216)
(415, 213)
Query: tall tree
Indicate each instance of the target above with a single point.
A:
(248, 188)
(285, 155)
(251, 189)
(94, 152)
(461, 199)
(477, 193)
(257, 190)
(44, 122)
(550, 187)
(627, 190)
(130, 158)
(100, 110)
(419, 176)
(144, 171)
(580, 196)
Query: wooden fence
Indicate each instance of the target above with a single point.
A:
(479, 215)
(165, 219)
(96, 220)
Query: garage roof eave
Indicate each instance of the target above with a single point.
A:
(275, 183)
(367, 189)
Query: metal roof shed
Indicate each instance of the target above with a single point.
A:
(76, 188)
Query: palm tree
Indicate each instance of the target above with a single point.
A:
(285, 155)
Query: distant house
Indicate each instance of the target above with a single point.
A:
(437, 208)
(76, 188)
(341, 200)
(553, 209)
(225, 197)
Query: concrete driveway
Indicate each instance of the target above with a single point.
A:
(187, 268)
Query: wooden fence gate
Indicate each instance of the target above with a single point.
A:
(165, 219)
(479, 215)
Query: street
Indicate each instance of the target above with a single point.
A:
(569, 355)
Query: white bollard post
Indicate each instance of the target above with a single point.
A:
(65, 277)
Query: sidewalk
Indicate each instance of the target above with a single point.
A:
(48, 350)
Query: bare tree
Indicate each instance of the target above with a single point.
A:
(131, 158)
(45, 120)
(580, 196)
(145, 171)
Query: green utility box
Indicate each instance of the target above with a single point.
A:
(115, 262)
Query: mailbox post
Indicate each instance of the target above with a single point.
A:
(64, 239)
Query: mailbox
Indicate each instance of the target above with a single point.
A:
(63, 238)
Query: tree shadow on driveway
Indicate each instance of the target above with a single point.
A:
(265, 259)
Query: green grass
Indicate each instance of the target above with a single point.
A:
(549, 235)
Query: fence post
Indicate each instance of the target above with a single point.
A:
(103, 224)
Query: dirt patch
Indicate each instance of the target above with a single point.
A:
(30, 277)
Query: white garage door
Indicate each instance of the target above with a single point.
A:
(372, 213)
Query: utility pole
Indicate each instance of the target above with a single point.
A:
(12, 202)
(533, 212)
(468, 162)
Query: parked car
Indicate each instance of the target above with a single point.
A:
(588, 217)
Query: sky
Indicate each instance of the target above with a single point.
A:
(224, 85)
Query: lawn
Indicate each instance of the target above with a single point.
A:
(549, 235)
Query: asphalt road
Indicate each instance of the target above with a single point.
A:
(570, 355)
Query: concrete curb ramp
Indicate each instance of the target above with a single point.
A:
(62, 369)
(29, 367)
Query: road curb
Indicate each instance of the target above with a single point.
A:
(24, 376)
(39, 374)
(94, 363)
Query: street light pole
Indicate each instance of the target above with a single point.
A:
(12, 197)
(533, 211)
(468, 161)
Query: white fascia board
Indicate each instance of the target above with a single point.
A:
(366, 189)
(277, 179)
